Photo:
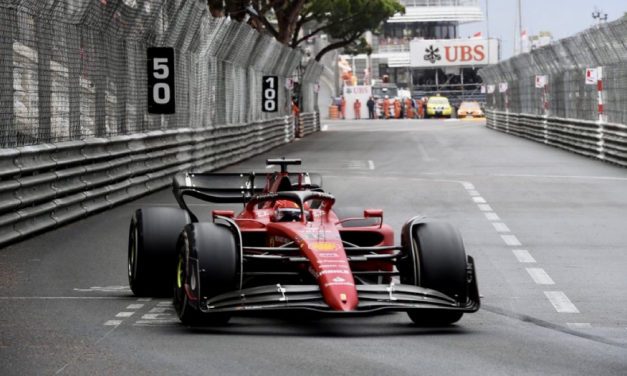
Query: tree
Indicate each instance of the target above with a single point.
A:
(344, 21)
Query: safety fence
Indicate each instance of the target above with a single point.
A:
(606, 141)
(308, 123)
(567, 90)
(75, 133)
(47, 185)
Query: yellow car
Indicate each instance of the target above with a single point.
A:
(470, 109)
(438, 106)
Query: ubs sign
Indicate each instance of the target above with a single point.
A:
(453, 52)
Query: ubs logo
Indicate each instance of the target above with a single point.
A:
(433, 54)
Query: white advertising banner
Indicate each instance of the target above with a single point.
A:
(541, 81)
(427, 53)
(354, 93)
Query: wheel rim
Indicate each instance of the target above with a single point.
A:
(179, 273)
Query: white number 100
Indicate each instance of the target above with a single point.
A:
(269, 103)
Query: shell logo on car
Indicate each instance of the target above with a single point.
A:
(323, 246)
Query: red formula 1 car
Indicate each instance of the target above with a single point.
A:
(290, 249)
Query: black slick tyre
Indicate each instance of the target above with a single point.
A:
(208, 264)
(438, 262)
(152, 241)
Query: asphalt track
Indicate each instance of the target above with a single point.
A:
(546, 228)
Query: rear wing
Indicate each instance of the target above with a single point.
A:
(225, 188)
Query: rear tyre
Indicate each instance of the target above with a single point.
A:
(436, 259)
(152, 241)
(208, 265)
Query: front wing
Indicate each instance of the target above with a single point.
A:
(372, 299)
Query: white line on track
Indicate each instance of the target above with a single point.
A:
(579, 325)
(539, 276)
(113, 323)
(144, 299)
(492, 216)
(511, 240)
(485, 207)
(560, 302)
(468, 186)
(371, 164)
(164, 304)
(479, 200)
(159, 310)
(473, 192)
(522, 255)
(124, 314)
(500, 227)
(134, 306)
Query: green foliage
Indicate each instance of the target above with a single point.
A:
(344, 21)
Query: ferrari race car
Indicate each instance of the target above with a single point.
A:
(291, 249)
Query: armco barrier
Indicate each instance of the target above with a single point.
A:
(605, 141)
(47, 185)
(308, 123)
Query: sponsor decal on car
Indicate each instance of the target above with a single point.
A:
(324, 246)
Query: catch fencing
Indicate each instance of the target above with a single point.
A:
(75, 134)
(546, 97)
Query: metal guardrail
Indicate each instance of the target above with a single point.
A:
(308, 123)
(605, 141)
(48, 185)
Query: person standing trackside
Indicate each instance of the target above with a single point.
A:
(409, 110)
(386, 107)
(357, 108)
(370, 105)
(343, 108)
(397, 109)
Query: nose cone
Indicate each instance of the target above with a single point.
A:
(340, 293)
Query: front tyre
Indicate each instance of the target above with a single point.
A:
(208, 265)
(153, 234)
(436, 259)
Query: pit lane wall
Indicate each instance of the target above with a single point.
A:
(75, 134)
(565, 113)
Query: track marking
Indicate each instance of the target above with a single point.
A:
(500, 227)
(165, 304)
(579, 325)
(124, 314)
(371, 164)
(485, 207)
(560, 302)
(479, 200)
(324, 128)
(492, 216)
(134, 306)
(511, 240)
(113, 323)
(468, 186)
(144, 299)
(522, 255)
(473, 192)
(539, 276)
(158, 310)
(423, 153)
